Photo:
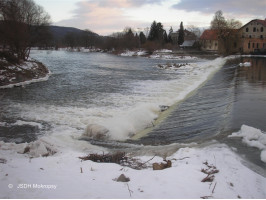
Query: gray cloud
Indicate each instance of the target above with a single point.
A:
(235, 7)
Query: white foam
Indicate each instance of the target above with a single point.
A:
(21, 123)
(253, 137)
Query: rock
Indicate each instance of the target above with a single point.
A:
(122, 178)
(164, 108)
(3, 161)
(95, 131)
(161, 166)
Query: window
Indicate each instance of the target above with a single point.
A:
(249, 45)
(254, 29)
(261, 29)
(257, 45)
(235, 44)
(249, 36)
(261, 36)
(247, 29)
(253, 45)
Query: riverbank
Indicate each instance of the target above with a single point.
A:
(215, 171)
(21, 74)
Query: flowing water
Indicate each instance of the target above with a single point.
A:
(208, 99)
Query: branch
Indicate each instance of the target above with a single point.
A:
(147, 161)
(130, 191)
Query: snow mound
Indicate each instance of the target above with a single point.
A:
(253, 137)
(133, 53)
(164, 51)
(245, 64)
(34, 149)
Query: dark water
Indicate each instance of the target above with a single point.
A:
(233, 97)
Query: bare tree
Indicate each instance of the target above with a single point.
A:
(227, 33)
(195, 30)
(218, 21)
(22, 21)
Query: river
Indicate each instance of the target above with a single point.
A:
(208, 99)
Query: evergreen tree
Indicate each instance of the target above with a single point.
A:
(142, 38)
(156, 32)
(160, 32)
(169, 35)
(153, 31)
(181, 34)
(165, 37)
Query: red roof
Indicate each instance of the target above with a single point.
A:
(260, 21)
(263, 22)
(209, 35)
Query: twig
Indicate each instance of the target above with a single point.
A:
(81, 171)
(180, 158)
(130, 191)
(147, 161)
(214, 188)
(206, 197)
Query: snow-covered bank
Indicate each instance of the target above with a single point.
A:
(134, 53)
(65, 176)
(28, 72)
(172, 56)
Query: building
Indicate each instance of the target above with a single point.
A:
(209, 40)
(253, 36)
(249, 38)
(189, 38)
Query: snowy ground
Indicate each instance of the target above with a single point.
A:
(63, 175)
(30, 71)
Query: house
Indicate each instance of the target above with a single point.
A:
(209, 40)
(189, 38)
(249, 38)
(253, 36)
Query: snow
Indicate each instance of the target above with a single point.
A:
(134, 53)
(245, 64)
(63, 175)
(169, 57)
(188, 43)
(164, 51)
(27, 82)
(253, 137)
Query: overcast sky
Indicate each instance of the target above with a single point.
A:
(107, 16)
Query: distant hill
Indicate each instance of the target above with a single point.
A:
(59, 32)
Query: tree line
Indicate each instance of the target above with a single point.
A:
(23, 24)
